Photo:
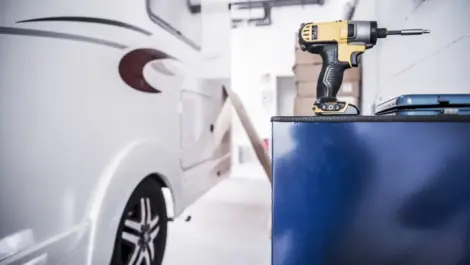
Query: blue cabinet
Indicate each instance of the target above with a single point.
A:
(371, 190)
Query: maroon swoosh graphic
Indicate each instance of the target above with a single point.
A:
(131, 68)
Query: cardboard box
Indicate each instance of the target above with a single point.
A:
(306, 89)
(349, 99)
(302, 57)
(349, 89)
(310, 72)
(303, 105)
(306, 72)
(309, 89)
(297, 46)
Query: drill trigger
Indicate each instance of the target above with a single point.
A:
(355, 58)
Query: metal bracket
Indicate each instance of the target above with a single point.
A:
(267, 5)
(193, 8)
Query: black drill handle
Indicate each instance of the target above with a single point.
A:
(330, 80)
(332, 72)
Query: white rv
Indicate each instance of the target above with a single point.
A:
(102, 108)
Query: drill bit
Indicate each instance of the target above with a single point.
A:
(408, 32)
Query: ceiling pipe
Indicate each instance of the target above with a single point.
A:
(265, 20)
(267, 5)
(275, 3)
(350, 9)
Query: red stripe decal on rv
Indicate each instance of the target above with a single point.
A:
(131, 68)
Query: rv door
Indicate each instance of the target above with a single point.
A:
(197, 117)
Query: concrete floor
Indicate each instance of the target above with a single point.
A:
(228, 225)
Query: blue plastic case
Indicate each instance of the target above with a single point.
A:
(424, 105)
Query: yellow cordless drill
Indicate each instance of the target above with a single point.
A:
(340, 43)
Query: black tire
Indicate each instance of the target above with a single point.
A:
(133, 244)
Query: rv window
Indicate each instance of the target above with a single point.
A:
(176, 17)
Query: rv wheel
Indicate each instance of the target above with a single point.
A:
(142, 231)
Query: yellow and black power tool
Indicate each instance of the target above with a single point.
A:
(340, 43)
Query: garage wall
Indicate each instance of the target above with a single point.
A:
(434, 63)
(274, 45)
(216, 39)
(261, 54)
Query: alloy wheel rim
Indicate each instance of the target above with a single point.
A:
(141, 228)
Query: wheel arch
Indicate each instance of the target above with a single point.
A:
(129, 167)
(168, 193)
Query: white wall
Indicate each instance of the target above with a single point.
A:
(178, 15)
(216, 39)
(286, 94)
(434, 63)
(257, 51)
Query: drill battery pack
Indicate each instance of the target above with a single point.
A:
(368, 190)
(417, 105)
